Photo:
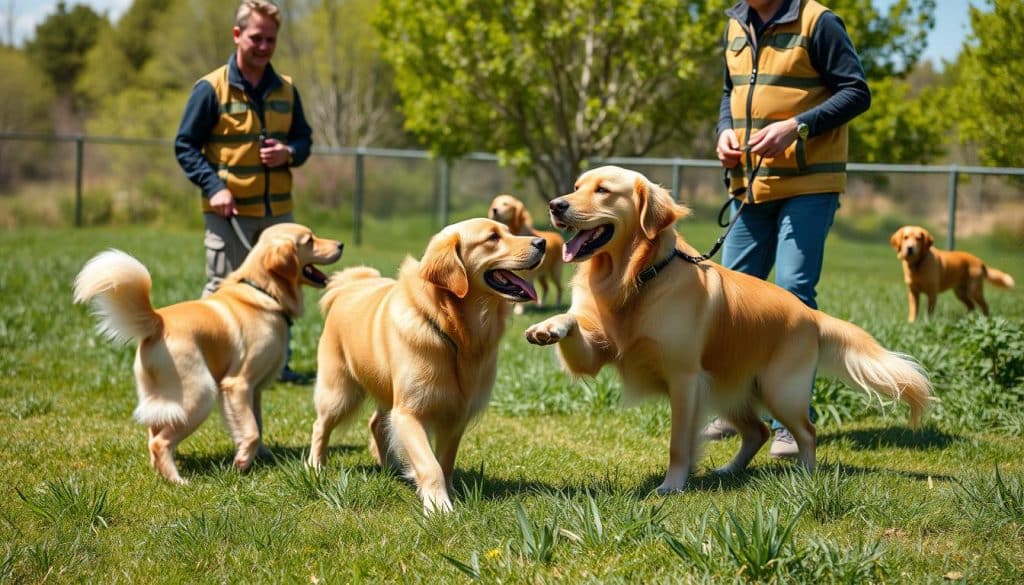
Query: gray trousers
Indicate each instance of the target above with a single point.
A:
(224, 251)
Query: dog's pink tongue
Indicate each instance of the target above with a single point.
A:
(525, 285)
(573, 246)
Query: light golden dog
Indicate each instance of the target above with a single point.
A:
(513, 213)
(224, 347)
(697, 332)
(929, 270)
(424, 347)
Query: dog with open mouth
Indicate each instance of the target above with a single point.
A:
(700, 334)
(222, 348)
(424, 346)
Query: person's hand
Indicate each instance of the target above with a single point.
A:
(773, 140)
(223, 203)
(728, 148)
(274, 153)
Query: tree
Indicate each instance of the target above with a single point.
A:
(549, 86)
(27, 99)
(991, 82)
(347, 90)
(62, 41)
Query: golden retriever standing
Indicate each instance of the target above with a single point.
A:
(424, 346)
(929, 270)
(224, 347)
(513, 213)
(697, 332)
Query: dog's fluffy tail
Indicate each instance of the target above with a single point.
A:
(859, 360)
(338, 279)
(998, 277)
(119, 284)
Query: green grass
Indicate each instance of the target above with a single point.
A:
(554, 482)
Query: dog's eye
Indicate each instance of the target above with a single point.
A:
(494, 237)
(600, 189)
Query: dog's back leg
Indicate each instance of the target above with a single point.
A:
(753, 435)
(163, 439)
(786, 391)
(336, 396)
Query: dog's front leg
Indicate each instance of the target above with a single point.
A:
(912, 300)
(448, 440)
(426, 471)
(237, 398)
(577, 352)
(685, 403)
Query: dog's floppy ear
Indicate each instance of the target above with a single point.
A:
(927, 240)
(658, 210)
(282, 260)
(442, 266)
(894, 240)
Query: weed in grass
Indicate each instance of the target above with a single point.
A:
(61, 500)
(696, 545)
(828, 494)
(29, 406)
(595, 521)
(10, 557)
(537, 539)
(825, 561)
(764, 548)
(992, 500)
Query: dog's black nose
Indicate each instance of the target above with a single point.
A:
(539, 243)
(558, 206)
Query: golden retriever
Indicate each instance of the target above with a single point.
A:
(513, 213)
(424, 347)
(697, 332)
(226, 346)
(929, 270)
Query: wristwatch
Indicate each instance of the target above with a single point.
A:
(291, 154)
(803, 130)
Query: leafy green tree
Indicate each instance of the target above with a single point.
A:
(61, 42)
(25, 107)
(990, 83)
(549, 86)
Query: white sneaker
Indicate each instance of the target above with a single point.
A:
(784, 445)
(717, 430)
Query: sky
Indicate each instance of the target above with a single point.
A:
(951, 23)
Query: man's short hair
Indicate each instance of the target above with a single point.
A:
(264, 7)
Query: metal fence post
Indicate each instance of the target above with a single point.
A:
(357, 204)
(446, 192)
(79, 163)
(954, 176)
(677, 180)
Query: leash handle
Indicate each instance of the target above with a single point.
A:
(238, 232)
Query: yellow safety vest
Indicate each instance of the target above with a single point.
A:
(785, 84)
(234, 143)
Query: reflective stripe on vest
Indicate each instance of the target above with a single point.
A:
(784, 85)
(233, 147)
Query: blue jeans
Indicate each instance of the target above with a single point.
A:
(788, 234)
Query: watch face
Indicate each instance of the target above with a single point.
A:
(802, 130)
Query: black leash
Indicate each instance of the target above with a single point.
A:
(742, 191)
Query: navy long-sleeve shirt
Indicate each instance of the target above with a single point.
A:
(202, 113)
(832, 56)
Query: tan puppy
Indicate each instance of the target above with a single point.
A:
(424, 347)
(513, 213)
(224, 347)
(929, 270)
(697, 332)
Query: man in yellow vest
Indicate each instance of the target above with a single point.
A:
(793, 81)
(242, 131)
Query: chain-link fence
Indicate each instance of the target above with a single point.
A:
(92, 180)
